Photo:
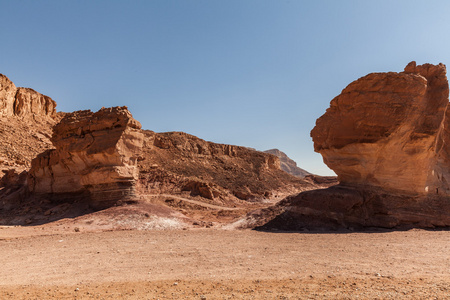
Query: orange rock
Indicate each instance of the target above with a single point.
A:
(95, 153)
(287, 164)
(24, 102)
(7, 96)
(390, 130)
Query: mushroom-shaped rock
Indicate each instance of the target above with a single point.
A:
(390, 130)
(96, 154)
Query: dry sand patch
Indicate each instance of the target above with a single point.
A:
(171, 264)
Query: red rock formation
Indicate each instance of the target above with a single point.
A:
(96, 153)
(287, 164)
(26, 121)
(174, 162)
(390, 130)
(95, 163)
(24, 102)
(387, 138)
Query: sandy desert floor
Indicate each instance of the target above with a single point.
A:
(37, 263)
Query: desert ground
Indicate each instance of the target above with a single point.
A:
(57, 262)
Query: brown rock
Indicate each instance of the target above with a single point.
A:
(24, 102)
(174, 162)
(12, 179)
(386, 136)
(390, 130)
(29, 103)
(287, 164)
(95, 153)
(203, 189)
(356, 208)
(7, 96)
(26, 121)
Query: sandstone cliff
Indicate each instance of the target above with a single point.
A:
(287, 164)
(96, 154)
(26, 121)
(24, 102)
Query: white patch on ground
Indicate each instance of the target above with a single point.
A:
(243, 223)
(152, 223)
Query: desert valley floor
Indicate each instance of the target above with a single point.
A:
(41, 262)
(92, 206)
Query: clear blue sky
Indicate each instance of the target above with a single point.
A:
(246, 72)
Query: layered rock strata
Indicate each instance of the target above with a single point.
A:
(355, 208)
(26, 121)
(387, 138)
(96, 155)
(287, 164)
(24, 102)
(390, 130)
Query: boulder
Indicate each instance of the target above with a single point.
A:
(96, 155)
(390, 130)
(387, 138)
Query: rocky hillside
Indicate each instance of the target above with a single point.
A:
(287, 164)
(176, 160)
(63, 164)
(26, 121)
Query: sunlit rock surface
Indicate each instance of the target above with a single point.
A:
(96, 154)
(387, 138)
(390, 130)
(24, 102)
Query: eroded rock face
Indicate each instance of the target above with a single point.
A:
(26, 121)
(287, 164)
(390, 130)
(386, 136)
(24, 102)
(96, 154)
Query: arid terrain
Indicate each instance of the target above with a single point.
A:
(94, 207)
(43, 262)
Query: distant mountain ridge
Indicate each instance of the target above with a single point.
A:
(287, 164)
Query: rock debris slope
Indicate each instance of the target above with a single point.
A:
(179, 162)
(26, 121)
(387, 138)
